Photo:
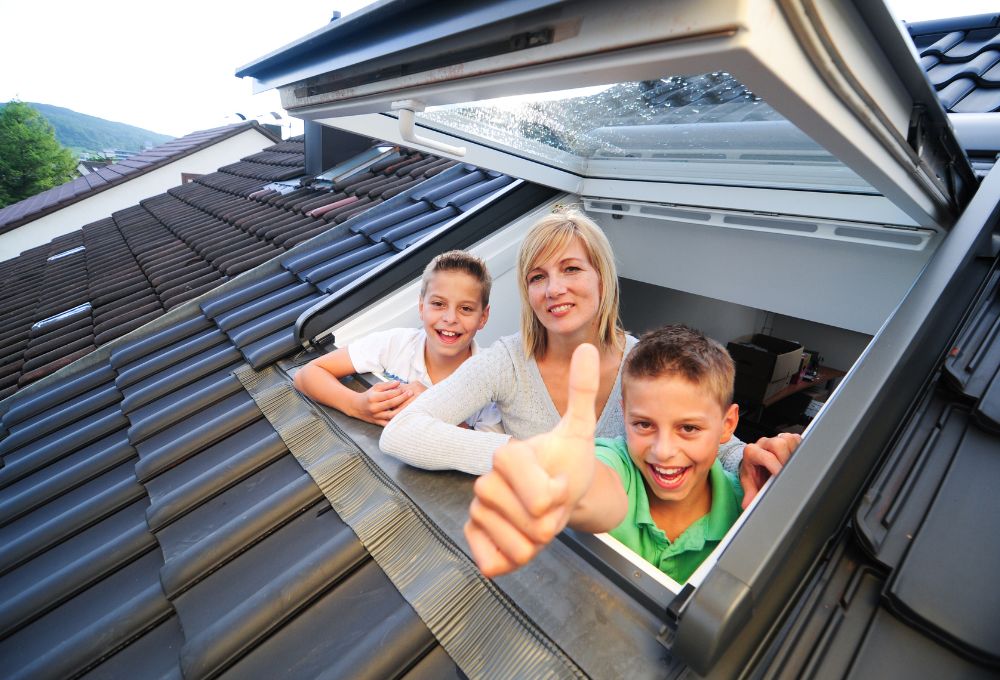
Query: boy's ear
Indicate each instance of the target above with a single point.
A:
(486, 316)
(729, 421)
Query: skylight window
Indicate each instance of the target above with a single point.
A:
(708, 129)
(79, 310)
(66, 253)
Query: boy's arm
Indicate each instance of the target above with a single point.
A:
(320, 379)
(539, 485)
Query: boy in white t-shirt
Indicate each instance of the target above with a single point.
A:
(454, 305)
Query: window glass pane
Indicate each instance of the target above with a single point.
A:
(706, 129)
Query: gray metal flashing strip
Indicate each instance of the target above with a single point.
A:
(485, 634)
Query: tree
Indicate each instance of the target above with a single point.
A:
(31, 160)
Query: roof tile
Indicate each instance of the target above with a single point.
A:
(963, 65)
(155, 506)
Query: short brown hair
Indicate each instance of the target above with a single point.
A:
(459, 261)
(685, 352)
(549, 237)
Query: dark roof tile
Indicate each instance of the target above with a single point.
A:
(274, 299)
(151, 529)
(943, 73)
(980, 100)
(281, 318)
(177, 440)
(120, 329)
(142, 307)
(184, 402)
(962, 61)
(182, 294)
(955, 91)
(20, 461)
(229, 300)
(348, 210)
(218, 538)
(30, 376)
(68, 339)
(269, 349)
(124, 303)
(280, 235)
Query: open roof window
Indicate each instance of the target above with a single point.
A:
(687, 102)
(703, 129)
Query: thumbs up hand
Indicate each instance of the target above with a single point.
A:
(536, 485)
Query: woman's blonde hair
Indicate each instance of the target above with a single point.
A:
(549, 237)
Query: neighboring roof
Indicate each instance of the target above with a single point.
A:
(962, 59)
(154, 524)
(114, 275)
(107, 176)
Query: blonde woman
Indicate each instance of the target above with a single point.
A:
(569, 296)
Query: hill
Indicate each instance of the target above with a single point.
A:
(85, 134)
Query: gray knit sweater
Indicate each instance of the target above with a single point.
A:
(425, 433)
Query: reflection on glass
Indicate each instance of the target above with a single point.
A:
(707, 129)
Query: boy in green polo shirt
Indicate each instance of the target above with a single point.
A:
(660, 490)
(677, 392)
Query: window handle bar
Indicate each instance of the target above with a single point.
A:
(406, 108)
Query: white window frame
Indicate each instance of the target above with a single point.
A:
(806, 58)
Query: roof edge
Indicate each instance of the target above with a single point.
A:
(950, 24)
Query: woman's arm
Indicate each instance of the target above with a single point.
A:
(731, 454)
(320, 380)
(426, 434)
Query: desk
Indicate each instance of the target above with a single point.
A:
(824, 374)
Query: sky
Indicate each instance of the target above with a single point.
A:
(169, 67)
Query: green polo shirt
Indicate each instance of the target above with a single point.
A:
(678, 559)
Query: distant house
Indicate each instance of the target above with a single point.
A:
(61, 300)
(63, 209)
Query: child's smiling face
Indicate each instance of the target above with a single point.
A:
(452, 312)
(674, 428)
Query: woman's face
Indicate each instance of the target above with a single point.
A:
(565, 291)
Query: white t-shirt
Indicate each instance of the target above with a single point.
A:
(398, 354)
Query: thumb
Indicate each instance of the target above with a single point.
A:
(584, 377)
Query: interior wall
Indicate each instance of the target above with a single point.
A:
(838, 347)
(645, 306)
(837, 283)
